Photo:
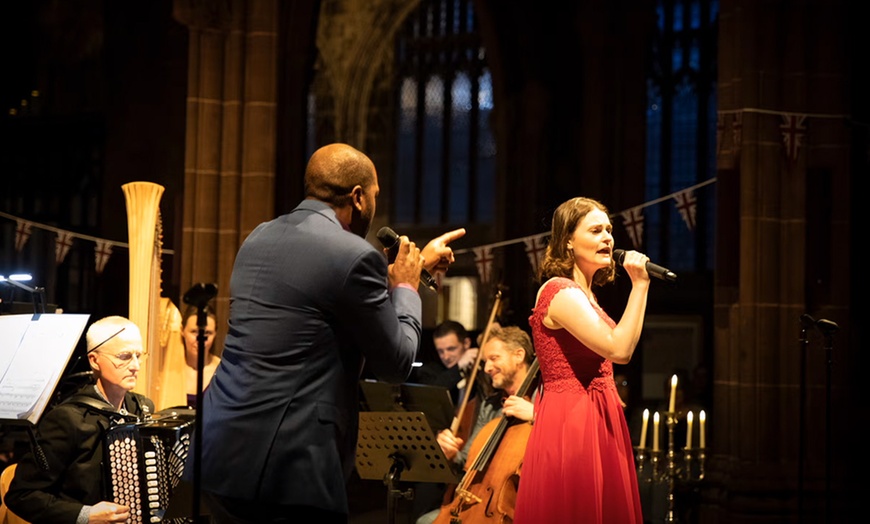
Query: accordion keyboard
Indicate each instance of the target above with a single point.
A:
(146, 461)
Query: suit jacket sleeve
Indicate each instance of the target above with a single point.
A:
(386, 325)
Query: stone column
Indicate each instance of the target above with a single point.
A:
(231, 135)
(783, 230)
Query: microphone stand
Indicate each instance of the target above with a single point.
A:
(199, 295)
(806, 322)
(828, 328)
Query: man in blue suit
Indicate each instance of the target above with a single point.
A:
(311, 303)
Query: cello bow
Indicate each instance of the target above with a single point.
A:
(454, 427)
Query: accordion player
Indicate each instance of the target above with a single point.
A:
(145, 461)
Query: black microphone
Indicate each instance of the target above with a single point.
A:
(827, 327)
(653, 269)
(200, 294)
(390, 240)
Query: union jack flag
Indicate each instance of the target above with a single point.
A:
(687, 204)
(102, 253)
(483, 259)
(535, 249)
(793, 133)
(22, 233)
(632, 220)
(62, 244)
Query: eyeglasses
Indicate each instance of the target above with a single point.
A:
(126, 357)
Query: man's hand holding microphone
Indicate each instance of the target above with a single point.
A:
(415, 265)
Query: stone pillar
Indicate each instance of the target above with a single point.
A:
(783, 232)
(231, 135)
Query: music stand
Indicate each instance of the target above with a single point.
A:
(396, 443)
(434, 401)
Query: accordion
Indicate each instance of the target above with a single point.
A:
(145, 461)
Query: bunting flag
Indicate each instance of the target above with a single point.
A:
(102, 253)
(632, 220)
(793, 133)
(536, 246)
(737, 132)
(22, 233)
(687, 205)
(720, 130)
(62, 243)
(483, 259)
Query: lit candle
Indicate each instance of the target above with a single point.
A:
(643, 428)
(702, 416)
(656, 431)
(689, 419)
(673, 401)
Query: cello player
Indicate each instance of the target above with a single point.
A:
(507, 355)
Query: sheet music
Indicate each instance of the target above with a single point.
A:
(34, 351)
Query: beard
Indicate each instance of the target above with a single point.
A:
(504, 379)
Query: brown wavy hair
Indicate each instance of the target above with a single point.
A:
(558, 260)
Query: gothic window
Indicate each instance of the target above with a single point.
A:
(445, 164)
(681, 132)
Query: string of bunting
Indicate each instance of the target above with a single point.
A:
(64, 241)
(793, 128)
(632, 220)
(535, 245)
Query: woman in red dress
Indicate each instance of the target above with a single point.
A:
(579, 464)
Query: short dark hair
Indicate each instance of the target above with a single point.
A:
(450, 326)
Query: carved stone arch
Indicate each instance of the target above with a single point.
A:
(354, 45)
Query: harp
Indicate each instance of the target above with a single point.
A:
(158, 318)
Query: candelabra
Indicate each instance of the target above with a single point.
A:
(667, 466)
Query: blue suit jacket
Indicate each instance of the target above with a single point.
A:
(309, 306)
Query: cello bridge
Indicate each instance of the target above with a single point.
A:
(468, 497)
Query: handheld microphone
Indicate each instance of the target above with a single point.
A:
(653, 269)
(390, 240)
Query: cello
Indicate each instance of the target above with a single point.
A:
(488, 490)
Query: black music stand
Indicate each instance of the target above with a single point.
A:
(434, 401)
(399, 445)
